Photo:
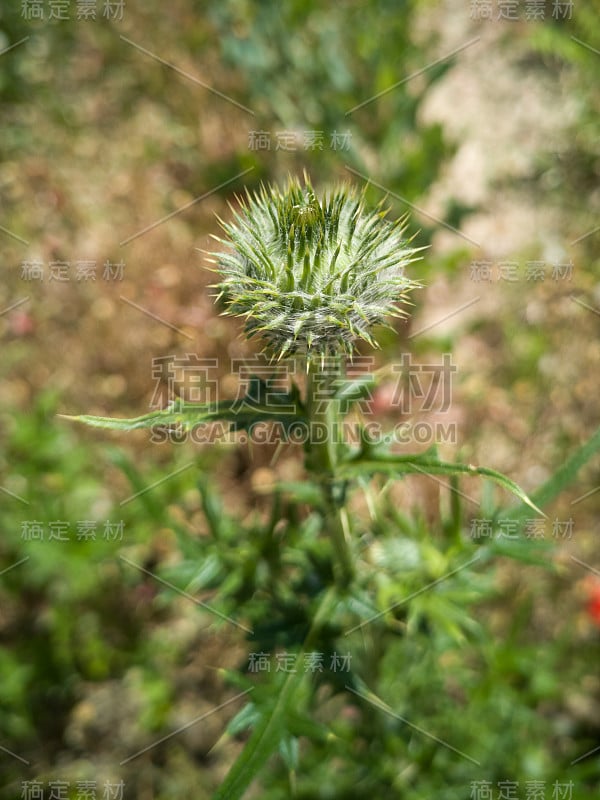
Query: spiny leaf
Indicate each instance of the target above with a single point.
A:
(425, 465)
(262, 403)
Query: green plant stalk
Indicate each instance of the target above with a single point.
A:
(324, 443)
(267, 734)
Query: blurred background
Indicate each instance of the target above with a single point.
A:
(126, 128)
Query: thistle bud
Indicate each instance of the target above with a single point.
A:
(313, 275)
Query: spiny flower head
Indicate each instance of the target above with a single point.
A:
(312, 275)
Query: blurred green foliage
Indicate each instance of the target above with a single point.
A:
(72, 614)
(341, 69)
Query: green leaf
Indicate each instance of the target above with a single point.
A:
(196, 575)
(528, 551)
(139, 484)
(262, 403)
(562, 478)
(212, 507)
(371, 459)
(176, 414)
(385, 462)
(244, 719)
(267, 735)
(263, 742)
(289, 751)
(307, 726)
(301, 492)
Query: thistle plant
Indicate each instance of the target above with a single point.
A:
(313, 275)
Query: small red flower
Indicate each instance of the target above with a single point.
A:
(593, 602)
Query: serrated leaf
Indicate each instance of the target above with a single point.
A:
(380, 461)
(261, 404)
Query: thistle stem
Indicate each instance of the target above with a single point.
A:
(323, 455)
